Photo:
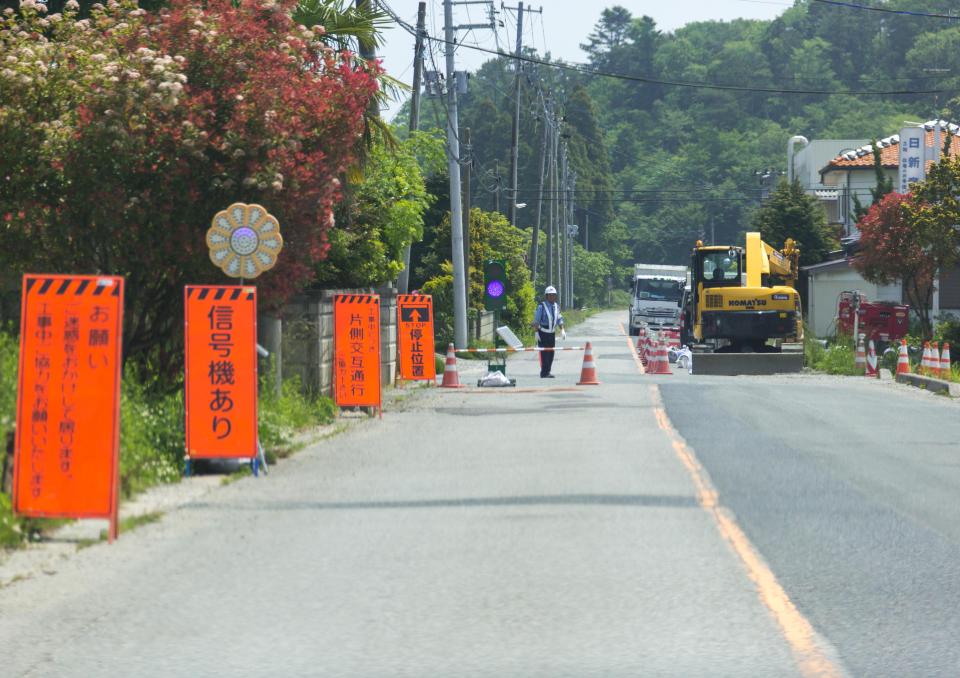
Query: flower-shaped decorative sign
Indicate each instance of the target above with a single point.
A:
(244, 240)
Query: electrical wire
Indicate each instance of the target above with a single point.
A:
(583, 69)
(887, 10)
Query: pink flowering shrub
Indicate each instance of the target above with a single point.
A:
(123, 134)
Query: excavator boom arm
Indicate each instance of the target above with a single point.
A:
(762, 259)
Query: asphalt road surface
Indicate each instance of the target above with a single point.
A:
(650, 526)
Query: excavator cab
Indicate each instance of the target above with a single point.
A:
(731, 305)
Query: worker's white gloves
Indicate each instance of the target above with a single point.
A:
(563, 334)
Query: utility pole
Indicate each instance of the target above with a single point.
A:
(515, 135)
(586, 229)
(571, 238)
(403, 282)
(513, 189)
(551, 201)
(467, 166)
(496, 195)
(453, 166)
(534, 253)
(564, 222)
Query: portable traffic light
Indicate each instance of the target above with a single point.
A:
(495, 284)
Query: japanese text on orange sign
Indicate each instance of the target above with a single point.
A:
(415, 337)
(356, 326)
(221, 371)
(68, 397)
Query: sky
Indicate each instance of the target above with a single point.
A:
(560, 29)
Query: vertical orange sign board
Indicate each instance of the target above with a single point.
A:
(415, 337)
(66, 461)
(221, 371)
(356, 350)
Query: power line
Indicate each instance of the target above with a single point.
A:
(587, 70)
(887, 10)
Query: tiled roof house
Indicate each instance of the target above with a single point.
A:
(851, 172)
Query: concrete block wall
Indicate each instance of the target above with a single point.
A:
(486, 328)
(307, 337)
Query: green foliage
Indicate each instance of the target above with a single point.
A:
(344, 25)
(123, 133)
(619, 299)
(791, 213)
(151, 436)
(883, 186)
(591, 271)
(836, 359)
(383, 213)
(281, 417)
(440, 287)
(491, 237)
(11, 529)
(9, 356)
(948, 329)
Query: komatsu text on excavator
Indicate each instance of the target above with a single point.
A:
(737, 320)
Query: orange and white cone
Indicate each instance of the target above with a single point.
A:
(451, 378)
(860, 363)
(945, 370)
(872, 370)
(588, 374)
(934, 359)
(662, 364)
(903, 359)
(642, 346)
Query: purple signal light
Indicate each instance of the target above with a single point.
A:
(495, 289)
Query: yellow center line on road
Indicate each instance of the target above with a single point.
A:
(811, 659)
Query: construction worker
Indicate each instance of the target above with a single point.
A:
(546, 321)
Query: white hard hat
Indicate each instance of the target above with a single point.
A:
(550, 290)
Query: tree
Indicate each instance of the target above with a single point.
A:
(383, 212)
(591, 272)
(934, 214)
(491, 237)
(610, 32)
(890, 252)
(883, 184)
(791, 213)
(116, 160)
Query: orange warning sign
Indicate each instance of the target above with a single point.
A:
(221, 371)
(356, 348)
(415, 337)
(68, 397)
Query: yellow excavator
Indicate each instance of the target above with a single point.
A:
(736, 320)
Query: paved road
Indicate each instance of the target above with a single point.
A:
(650, 526)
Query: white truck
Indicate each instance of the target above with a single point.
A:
(657, 294)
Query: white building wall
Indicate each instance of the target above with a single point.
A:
(824, 295)
(857, 182)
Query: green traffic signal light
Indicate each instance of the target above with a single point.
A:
(495, 284)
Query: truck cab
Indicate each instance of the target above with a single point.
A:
(657, 295)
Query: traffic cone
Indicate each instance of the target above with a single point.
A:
(451, 378)
(903, 360)
(872, 370)
(642, 346)
(588, 374)
(934, 359)
(945, 371)
(662, 364)
(860, 363)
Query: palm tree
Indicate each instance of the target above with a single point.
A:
(354, 28)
